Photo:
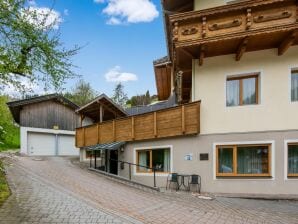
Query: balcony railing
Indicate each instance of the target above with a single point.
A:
(235, 28)
(175, 121)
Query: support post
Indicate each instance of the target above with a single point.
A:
(100, 114)
(287, 43)
(95, 159)
(183, 119)
(132, 128)
(154, 176)
(155, 124)
(129, 171)
(241, 48)
(90, 165)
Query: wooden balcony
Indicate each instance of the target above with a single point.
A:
(176, 121)
(234, 29)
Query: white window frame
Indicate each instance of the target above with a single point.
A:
(272, 142)
(286, 142)
(152, 148)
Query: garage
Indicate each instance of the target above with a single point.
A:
(48, 144)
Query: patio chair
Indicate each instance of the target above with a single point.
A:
(195, 180)
(172, 178)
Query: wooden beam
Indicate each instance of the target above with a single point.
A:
(114, 131)
(202, 55)
(132, 128)
(84, 137)
(100, 113)
(155, 124)
(183, 119)
(98, 133)
(188, 53)
(82, 118)
(241, 48)
(286, 44)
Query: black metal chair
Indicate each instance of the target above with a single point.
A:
(172, 178)
(195, 180)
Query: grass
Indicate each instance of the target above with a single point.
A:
(4, 189)
(12, 141)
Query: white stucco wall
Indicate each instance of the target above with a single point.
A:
(204, 4)
(24, 136)
(275, 110)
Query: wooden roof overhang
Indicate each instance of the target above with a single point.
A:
(109, 108)
(163, 71)
(236, 28)
(15, 107)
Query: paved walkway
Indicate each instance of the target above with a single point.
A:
(56, 191)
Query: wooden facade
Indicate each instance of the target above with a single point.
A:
(176, 121)
(49, 115)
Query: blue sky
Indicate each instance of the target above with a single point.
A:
(126, 49)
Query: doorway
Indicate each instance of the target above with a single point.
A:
(114, 164)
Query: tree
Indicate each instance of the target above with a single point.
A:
(142, 100)
(82, 93)
(30, 47)
(120, 97)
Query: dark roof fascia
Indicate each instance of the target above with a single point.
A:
(39, 99)
(100, 97)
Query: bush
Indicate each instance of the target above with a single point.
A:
(9, 131)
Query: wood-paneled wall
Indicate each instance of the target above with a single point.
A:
(176, 121)
(47, 115)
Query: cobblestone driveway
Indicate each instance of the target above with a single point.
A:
(56, 191)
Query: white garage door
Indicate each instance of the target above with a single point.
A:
(41, 144)
(66, 146)
(45, 144)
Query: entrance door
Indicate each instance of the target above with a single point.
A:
(114, 164)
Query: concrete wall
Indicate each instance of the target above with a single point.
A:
(275, 110)
(24, 136)
(278, 184)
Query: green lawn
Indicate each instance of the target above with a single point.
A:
(4, 189)
(12, 140)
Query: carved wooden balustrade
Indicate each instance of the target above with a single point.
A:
(235, 28)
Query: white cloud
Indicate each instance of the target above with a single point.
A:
(66, 12)
(42, 17)
(129, 11)
(114, 21)
(116, 75)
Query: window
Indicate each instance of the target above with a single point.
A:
(242, 90)
(293, 160)
(294, 86)
(90, 154)
(243, 160)
(157, 158)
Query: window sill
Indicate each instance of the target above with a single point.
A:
(242, 176)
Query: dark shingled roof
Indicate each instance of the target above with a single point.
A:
(150, 108)
(162, 60)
